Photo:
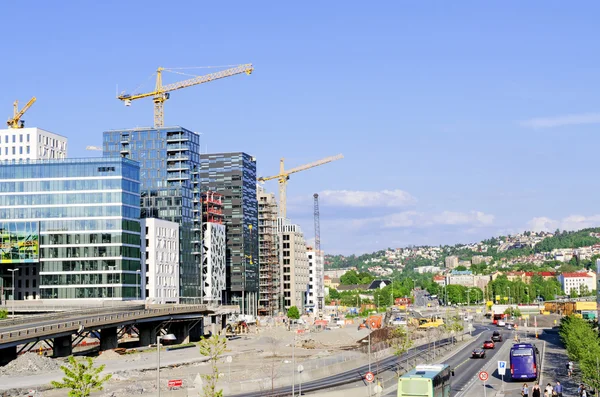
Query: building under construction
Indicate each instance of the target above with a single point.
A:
(268, 298)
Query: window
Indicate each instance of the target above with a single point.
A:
(28, 149)
(21, 138)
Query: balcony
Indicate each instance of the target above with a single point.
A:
(177, 147)
(178, 136)
(178, 167)
(177, 177)
(178, 157)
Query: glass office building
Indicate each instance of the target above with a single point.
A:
(233, 175)
(169, 164)
(70, 229)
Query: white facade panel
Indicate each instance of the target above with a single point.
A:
(31, 144)
(213, 261)
(160, 260)
(316, 281)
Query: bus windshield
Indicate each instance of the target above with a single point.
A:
(416, 387)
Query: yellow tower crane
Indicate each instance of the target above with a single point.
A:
(161, 92)
(15, 121)
(284, 176)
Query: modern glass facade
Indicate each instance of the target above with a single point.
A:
(233, 175)
(71, 228)
(169, 163)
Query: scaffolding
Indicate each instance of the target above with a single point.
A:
(212, 208)
(268, 299)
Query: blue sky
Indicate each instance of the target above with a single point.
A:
(457, 120)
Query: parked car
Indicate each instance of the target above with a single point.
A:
(478, 353)
(488, 344)
(501, 323)
(496, 337)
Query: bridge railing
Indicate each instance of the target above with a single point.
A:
(91, 323)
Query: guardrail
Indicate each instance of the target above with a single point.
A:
(47, 330)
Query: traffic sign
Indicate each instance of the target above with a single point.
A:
(369, 377)
(483, 376)
(175, 383)
(501, 368)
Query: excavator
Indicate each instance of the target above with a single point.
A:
(236, 328)
(372, 322)
(430, 322)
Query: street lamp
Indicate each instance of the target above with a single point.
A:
(13, 290)
(139, 286)
(168, 337)
(508, 295)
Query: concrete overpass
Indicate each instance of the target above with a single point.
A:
(63, 331)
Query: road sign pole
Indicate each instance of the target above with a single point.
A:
(484, 390)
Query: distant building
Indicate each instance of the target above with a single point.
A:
(160, 260)
(294, 268)
(451, 262)
(337, 273)
(213, 248)
(427, 269)
(31, 144)
(440, 280)
(577, 281)
(269, 277)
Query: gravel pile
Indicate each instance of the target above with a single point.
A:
(30, 363)
(108, 355)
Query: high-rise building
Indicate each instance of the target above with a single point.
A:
(268, 257)
(31, 144)
(233, 175)
(169, 161)
(213, 247)
(160, 260)
(451, 262)
(70, 228)
(294, 267)
(315, 299)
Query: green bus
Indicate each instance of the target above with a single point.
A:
(426, 381)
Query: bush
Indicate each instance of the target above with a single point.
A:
(293, 313)
(3, 314)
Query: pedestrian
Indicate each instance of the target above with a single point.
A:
(525, 390)
(558, 389)
(548, 390)
(536, 391)
(571, 365)
(583, 392)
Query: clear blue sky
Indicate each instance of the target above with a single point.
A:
(458, 120)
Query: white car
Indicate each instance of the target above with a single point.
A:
(501, 323)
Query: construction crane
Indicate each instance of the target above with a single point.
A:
(284, 176)
(317, 257)
(15, 121)
(161, 92)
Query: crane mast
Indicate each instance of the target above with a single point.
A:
(319, 270)
(15, 121)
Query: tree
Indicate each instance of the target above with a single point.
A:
(293, 313)
(350, 278)
(334, 294)
(513, 311)
(212, 348)
(81, 378)
(3, 314)
(401, 341)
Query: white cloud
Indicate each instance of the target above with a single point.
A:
(571, 119)
(572, 222)
(362, 198)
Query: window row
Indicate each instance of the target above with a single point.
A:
(67, 168)
(70, 212)
(66, 186)
(90, 238)
(90, 292)
(70, 198)
(90, 252)
(14, 138)
(89, 278)
(90, 265)
(92, 224)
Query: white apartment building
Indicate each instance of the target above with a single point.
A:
(315, 297)
(160, 260)
(31, 144)
(294, 268)
(213, 261)
(577, 281)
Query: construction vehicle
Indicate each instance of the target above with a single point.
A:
(284, 176)
(15, 121)
(161, 92)
(430, 322)
(372, 322)
(236, 328)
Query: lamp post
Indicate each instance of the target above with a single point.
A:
(139, 286)
(508, 295)
(13, 290)
(168, 337)
(293, 365)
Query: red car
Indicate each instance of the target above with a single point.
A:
(488, 344)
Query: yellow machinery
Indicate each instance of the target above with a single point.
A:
(15, 121)
(284, 175)
(161, 92)
(430, 322)
(237, 328)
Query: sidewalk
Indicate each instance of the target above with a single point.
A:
(553, 368)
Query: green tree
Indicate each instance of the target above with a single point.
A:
(573, 293)
(293, 313)
(3, 314)
(461, 268)
(513, 311)
(212, 348)
(81, 378)
(401, 341)
(350, 278)
(334, 294)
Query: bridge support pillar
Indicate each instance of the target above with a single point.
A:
(146, 333)
(213, 325)
(109, 339)
(197, 331)
(223, 321)
(7, 354)
(63, 346)
(181, 331)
